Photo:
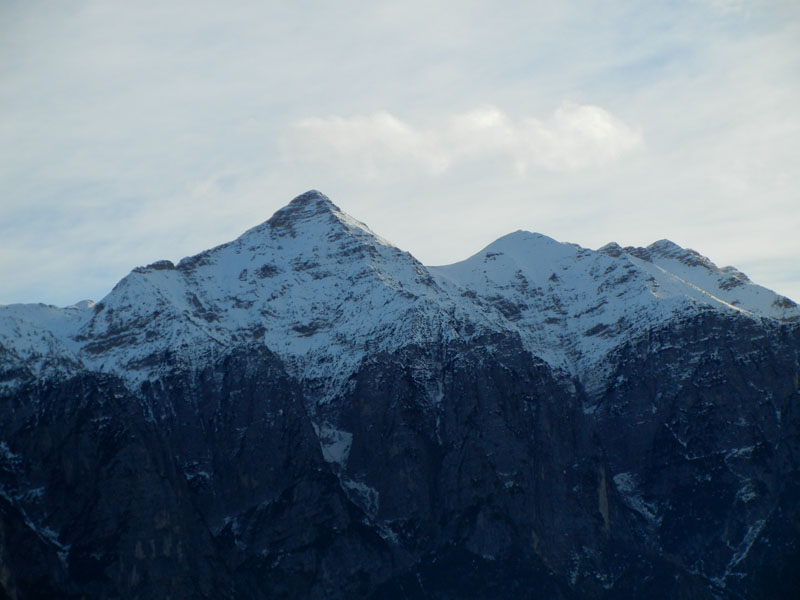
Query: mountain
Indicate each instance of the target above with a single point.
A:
(309, 412)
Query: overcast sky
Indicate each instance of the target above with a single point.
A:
(137, 131)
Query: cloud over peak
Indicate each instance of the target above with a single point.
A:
(380, 145)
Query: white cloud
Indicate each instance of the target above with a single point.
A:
(382, 145)
(369, 145)
(574, 137)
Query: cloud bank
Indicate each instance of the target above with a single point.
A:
(372, 146)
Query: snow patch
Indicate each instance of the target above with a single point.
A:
(627, 486)
(740, 552)
(362, 495)
(335, 444)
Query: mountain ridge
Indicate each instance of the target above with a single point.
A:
(570, 304)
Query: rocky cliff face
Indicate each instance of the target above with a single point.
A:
(309, 412)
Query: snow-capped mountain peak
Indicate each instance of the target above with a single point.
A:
(312, 215)
(324, 292)
(728, 285)
(573, 305)
(312, 204)
(314, 285)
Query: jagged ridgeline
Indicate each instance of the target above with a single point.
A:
(310, 412)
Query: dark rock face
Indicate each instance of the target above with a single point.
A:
(99, 472)
(711, 466)
(471, 472)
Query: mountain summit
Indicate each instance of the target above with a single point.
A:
(305, 206)
(307, 411)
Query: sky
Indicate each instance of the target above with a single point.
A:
(137, 131)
